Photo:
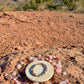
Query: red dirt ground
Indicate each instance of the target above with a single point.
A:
(61, 34)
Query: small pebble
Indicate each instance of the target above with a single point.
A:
(15, 78)
(35, 59)
(24, 60)
(64, 73)
(30, 58)
(55, 68)
(50, 57)
(17, 82)
(39, 55)
(19, 66)
(14, 73)
(63, 82)
(5, 74)
(59, 64)
(9, 76)
(42, 59)
(18, 76)
(21, 62)
(50, 61)
(54, 63)
(59, 70)
(46, 59)
(54, 57)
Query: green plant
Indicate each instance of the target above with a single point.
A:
(54, 6)
(71, 4)
(20, 7)
(30, 5)
(40, 5)
(6, 8)
(82, 1)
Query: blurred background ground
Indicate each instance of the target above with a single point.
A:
(44, 32)
(76, 6)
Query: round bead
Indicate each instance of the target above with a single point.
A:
(19, 66)
(64, 73)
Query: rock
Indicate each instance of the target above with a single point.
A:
(14, 73)
(19, 66)
(50, 57)
(21, 62)
(64, 73)
(59, 70)
(63, 82)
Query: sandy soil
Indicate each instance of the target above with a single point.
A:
(43, 32)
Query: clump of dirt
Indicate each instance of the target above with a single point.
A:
(24, 34)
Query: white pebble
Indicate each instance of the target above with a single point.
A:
(54, 56)
(59, 70)
(14, 73)
(51, 57)
(17, 82)
(35, 59)
(42, 59)
(21, 62)
(64, 73)
(50, 61)
(59, 64)
(30, 58)
(19, 66)
(39, 55)
(54, 64)
(15, 78)
(18, 76)
(6, 74)
(63, 82)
